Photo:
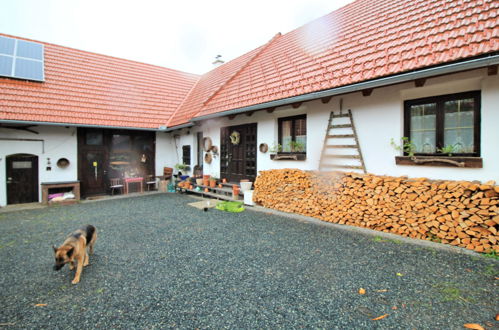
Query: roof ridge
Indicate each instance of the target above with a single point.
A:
(183, 101)
(240, 69)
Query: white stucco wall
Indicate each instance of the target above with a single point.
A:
(58, 142)
(378, 118)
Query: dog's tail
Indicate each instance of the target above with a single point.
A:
(90, 230)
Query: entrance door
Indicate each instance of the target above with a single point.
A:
(92, 161)
(22, 179)
(92, 172)
(238, 152)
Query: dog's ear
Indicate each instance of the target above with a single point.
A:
(55, 248)
(70, 252)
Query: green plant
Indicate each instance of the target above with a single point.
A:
(276, 148)
(296, 146)
(448, 149)
(181, 167)
(406, 147)
(492, 254)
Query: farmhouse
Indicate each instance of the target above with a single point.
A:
(337, 93)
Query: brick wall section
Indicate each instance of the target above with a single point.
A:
(459, 213)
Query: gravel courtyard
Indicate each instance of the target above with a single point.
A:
(160, 263)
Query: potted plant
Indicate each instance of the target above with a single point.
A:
(182, 167)
(213, 182)
(296, 146)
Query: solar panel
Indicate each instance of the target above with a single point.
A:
(21, 59)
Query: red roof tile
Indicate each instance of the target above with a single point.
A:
(364, 40)
(91, 89)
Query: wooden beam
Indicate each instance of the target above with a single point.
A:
(420, 82)
(249, 113)
(367, 92)
(326, 99)
(270, 110)
(231, 117)
(492, 70)
(296, 105)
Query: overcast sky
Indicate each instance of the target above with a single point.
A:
(183, 35)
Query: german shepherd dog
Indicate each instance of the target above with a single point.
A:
(74, 250)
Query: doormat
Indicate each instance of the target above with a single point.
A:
(209, 203)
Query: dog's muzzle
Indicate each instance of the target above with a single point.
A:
(57, 267)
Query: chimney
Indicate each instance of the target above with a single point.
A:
(218, 60)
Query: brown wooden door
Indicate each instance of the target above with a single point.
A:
(93, 166)
(22, 179)
(238, 160)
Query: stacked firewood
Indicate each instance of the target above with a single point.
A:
(459, 213)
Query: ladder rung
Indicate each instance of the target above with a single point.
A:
(340, 136)
(343, 156)
(343, 166)
(341, 126)
(343, 115)
(343, 146)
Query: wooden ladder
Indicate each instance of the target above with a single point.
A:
(334, 142)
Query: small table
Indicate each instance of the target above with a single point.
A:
(134, 180)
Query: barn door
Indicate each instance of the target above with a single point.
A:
(22, 179)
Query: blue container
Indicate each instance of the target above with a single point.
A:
(183, 177)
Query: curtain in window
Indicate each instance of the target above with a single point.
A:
(459, 125)
(423, 127)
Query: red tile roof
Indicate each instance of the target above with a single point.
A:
(91, 89)
(364, 40)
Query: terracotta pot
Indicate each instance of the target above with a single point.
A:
(220, 185)
(235, 191)
(224, 180)
(206, 190)
(213, 183)
(206, 176)
(206, 182)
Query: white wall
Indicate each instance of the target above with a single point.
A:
(378, 119)
(58, 142)
(169, 149)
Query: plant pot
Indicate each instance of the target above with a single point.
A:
(199, 182)
(245, 185)
(235, 191)
(206, 182)
(224, 180)
(213, 183)
(206, 190)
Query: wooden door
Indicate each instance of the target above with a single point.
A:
(238, 155)
(93, 167)
(22, 179)
(92, 161)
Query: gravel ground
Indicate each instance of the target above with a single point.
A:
(159, 263)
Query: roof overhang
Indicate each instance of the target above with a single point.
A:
(46, 123)
(466, 65)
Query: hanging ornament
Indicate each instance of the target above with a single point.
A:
(235, 137)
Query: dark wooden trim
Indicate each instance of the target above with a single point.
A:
(367, 92)
(250, 113)
(439, 100)
(289, 156)
(270, 110)
(231, 117)
(420, 82)
(492, 70)
(440, 161)
(326, 99)
(296, 105)
(293, 119)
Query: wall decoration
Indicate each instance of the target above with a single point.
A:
(264, 147)
(207, 158)
(235, 138)
(207, 144)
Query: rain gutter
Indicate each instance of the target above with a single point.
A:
(44, 123)
(381, 82)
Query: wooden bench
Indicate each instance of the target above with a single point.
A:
(67, 186)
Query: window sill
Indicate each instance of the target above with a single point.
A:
(441, 161)
(288, 157)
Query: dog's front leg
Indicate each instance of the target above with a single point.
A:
(79, 266)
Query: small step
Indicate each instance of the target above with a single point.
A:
(340, 136)
(343, 156)
(343, 166)
(342, 115)
(342, 146)
(341, 126)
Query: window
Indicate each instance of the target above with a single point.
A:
(21, 59)
(293, 134)
(186, 155)
(444, 125)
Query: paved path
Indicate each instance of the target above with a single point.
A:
(162, 264)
